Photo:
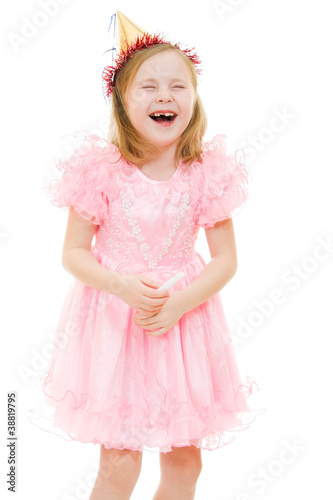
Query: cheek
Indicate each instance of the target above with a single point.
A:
(187, 111)
(136, 110)
(186, 103)
(137, 100)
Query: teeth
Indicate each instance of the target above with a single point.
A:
(164, 114)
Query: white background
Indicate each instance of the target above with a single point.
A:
(261, 60)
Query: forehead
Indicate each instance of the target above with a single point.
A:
(164, 65)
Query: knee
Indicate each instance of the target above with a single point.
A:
(184, 467)
(113, 460)
(189, 472)
(118, 473)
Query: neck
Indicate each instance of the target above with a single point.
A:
(164, 160)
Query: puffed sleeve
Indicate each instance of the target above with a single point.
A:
(85, 182)
(220, 185)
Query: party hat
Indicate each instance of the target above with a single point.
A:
(127, 30)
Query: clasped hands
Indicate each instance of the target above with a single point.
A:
(157, 310)
(167, 316)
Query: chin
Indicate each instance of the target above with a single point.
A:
(164, 142)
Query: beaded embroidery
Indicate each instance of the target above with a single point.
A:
(187, 244)
(144, 247)
(116, 242)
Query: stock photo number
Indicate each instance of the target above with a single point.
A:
(11, 438)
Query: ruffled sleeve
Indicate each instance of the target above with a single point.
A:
(220, 183)
(86, 179)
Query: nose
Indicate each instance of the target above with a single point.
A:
(164, 95)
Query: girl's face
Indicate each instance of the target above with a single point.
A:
(162, 82)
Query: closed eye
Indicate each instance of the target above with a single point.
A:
(177, 86)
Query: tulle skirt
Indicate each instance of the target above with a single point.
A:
(110, 383)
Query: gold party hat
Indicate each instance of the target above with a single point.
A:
(127, 30)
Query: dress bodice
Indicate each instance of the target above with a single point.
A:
(142, 220)
(150, 221)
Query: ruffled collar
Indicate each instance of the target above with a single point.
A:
(179, 181)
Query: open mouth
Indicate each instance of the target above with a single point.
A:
(161, 118)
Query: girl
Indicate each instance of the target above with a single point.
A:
(135, 367)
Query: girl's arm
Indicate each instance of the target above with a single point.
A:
(218, 272)
(79, 262)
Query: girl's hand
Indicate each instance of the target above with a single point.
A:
(165, 319)
(140, 292)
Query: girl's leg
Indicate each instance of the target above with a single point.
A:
(118, 473)
(180, 470)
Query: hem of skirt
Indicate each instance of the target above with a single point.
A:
(212, 439)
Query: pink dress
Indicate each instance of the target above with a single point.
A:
(109, 382)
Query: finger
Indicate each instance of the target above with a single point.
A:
(144, 325)
(142, 319)
(143, 311)
(150, 309)
(149, 282)
(154, 286)
(148, 322)
(152, 302)
(147, 314)
(156, 333)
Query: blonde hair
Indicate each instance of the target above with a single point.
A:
(132, 144)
